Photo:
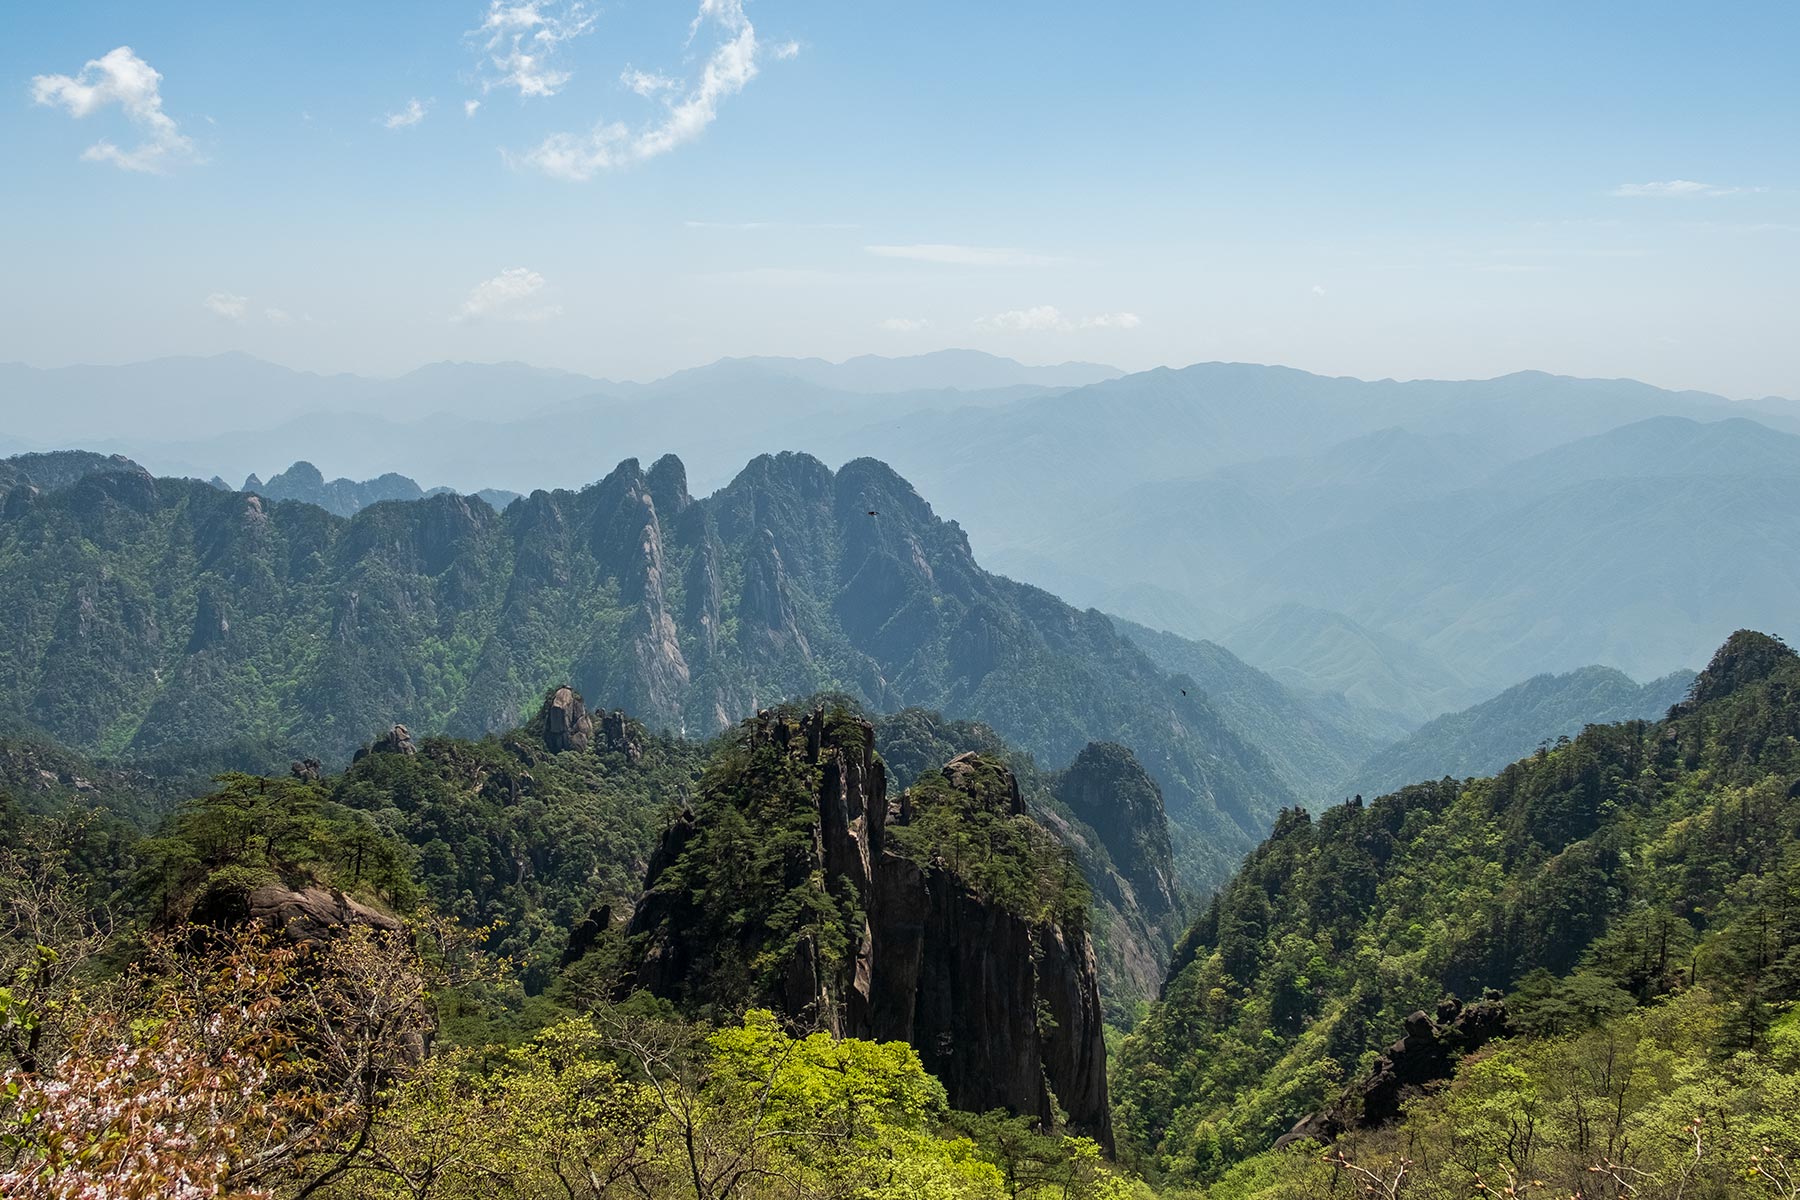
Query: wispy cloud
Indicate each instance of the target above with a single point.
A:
(905, 324)
(119, 77)
(521, 41)
(1046, 318)
(512, 295)
(687, 108)
(964, 256)
(470, 107)
(647, 83)
(407, 117)
(1678, 188)
(227, 304)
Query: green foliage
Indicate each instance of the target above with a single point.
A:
(503, 832)
(1010, 859)
(748, 884)
(252, 830)
(1593, 880)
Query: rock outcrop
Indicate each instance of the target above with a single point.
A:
(1002, 1005)
(1426, 1056)
(397, 740)
(311, 917)
(564, 721)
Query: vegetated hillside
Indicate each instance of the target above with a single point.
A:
(280, 950)
(1482, 739)
(42, 776)
(258, 632)
(1630, 892)
(1314, 739)
(53, 469)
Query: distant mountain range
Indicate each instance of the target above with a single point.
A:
(1481, 740)
(345, 497)
(1412, 546)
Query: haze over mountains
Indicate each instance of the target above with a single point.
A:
(1413, 546)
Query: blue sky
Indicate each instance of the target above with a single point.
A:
(1404, 189)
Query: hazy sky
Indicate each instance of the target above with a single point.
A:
(1439, 187)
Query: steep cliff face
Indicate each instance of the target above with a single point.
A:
(945, 917)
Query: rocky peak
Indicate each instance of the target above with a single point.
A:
(1107, 789)
(667, 481)
(927, 959)
(301, 474)
(618, 734)
(988, 782)
(563, 721)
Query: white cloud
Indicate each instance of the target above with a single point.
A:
(787, 50)
(407, 117)
(1318, 289)
(277, 316)
(963, 256)
(1677, 187)
(119, 77)
(469, 107)
(687, 109)
(228, 305)
(647, 83)
(521, 40)
(512, 295)
(1046, 318)
(905, 324)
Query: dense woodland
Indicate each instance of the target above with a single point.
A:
(1633, 893)
(1629, 898)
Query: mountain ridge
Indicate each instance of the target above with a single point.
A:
(276, 631)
